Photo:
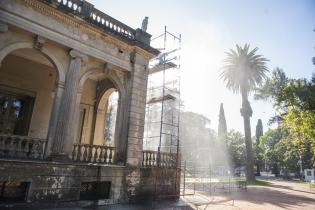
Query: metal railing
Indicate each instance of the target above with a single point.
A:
(87, 153)
(21, 147)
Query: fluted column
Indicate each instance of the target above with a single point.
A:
(65, 130)
(58, 92)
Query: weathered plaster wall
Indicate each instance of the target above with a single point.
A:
(29, 78)
(87, 103)
(15, 39)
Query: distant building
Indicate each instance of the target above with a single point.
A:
(309, 175)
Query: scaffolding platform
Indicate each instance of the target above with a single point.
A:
(161, 67)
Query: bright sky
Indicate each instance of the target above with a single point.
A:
(282, 29)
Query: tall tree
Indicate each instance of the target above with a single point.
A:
(294, 99)
(222, 128)
(259, 133)
(242, 72)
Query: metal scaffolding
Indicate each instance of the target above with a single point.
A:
(161, 132)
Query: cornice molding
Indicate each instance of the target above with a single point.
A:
(84, 27)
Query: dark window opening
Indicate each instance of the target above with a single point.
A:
(95, 190)
(12, 191)
(15, 113)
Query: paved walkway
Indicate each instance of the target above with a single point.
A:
(279, 195)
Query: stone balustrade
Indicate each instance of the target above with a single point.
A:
(94, 16)
(87, 153)
(21, 147)
(155, 159)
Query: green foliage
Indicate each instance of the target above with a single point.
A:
(243, 69)
(301, 125)
(259, 133)
(294, 99)
(222, 128)
(273, 87)
(259, 129)
(236, 148)
(280, 151)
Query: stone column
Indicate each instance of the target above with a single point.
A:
(65, 130)
(54, 116)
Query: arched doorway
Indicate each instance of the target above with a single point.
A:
(99, 110)
(100, 119)
(27, 84)
(106, 118)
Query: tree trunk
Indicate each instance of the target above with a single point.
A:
(246, 112)
(258, 168)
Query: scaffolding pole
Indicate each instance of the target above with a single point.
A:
(163, 100)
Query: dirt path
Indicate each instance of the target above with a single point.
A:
(279, 195)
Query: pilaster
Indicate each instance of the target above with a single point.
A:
(137, 103)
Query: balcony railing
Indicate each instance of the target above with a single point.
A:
(92, 15)
(87, 153)
(21, 147)
(154, 159)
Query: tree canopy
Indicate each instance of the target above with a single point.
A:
(294, 100)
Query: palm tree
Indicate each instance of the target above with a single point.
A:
(243, 70)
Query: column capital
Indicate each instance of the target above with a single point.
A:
(77, 54)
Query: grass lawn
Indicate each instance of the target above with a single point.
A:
(298, 181)
(259, 182)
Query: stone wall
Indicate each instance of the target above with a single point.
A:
(159, 183)
(53, 182)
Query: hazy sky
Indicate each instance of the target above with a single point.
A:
(282, 29)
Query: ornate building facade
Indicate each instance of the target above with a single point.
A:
(72, 103)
